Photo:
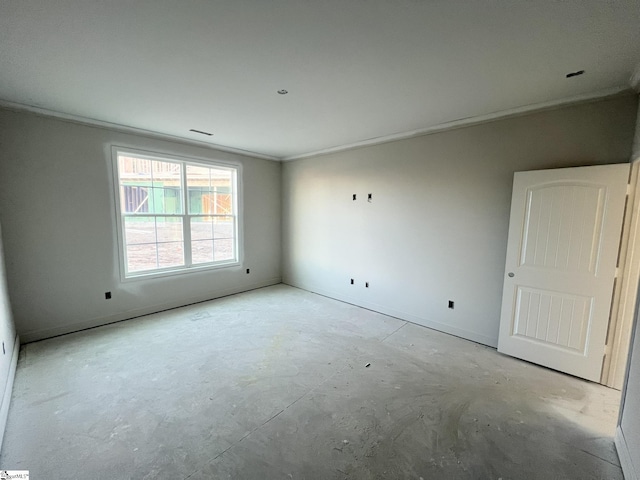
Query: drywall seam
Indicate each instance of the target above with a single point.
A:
(92, 122)
(469, 121)
(42, 334)
(624, 455)
(8, 389)
(441, 327)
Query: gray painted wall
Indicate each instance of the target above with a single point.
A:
(59, 220)
(436, 229)
(630, 416)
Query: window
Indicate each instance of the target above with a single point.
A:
(174, 214)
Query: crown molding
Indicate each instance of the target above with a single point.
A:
(468, 121)
(78, 119)
(455, 124)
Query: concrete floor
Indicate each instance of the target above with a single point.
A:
(274, 384)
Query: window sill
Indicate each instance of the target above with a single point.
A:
(170, 272)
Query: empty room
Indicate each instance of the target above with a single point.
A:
(383, 239)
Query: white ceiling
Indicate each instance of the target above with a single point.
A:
(355, 70)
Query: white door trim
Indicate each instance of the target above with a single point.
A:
(626, 290)
(6, 395)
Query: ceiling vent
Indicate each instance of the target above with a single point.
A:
(201, 132)
(574, 74)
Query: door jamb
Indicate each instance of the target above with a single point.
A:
(626, 288)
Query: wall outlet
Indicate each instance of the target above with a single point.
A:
(352, 281)
(451, 304)
(107, 295)
(248, 271)
(366, 284)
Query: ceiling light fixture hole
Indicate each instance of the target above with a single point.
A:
(283, 92)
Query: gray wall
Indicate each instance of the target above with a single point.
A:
(636, 140)
(436, 229)
(57, 210)
(630, 416)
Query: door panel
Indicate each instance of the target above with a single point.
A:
(562, 227)
(562, 250)
(552, 318)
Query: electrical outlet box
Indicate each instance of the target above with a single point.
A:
(451, 304)
(107, 295)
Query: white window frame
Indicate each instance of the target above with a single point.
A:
(187, 268)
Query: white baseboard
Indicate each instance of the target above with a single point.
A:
(35, 335)
(6, 396)
(441, 327)
(624, 455)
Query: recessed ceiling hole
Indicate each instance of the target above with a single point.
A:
(574, 74)
(200, 131)
(283, 92)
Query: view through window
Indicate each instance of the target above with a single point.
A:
(175, 214)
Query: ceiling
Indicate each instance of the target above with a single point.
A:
(357, 71)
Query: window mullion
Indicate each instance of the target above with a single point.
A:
(236, 227)
(186, 219)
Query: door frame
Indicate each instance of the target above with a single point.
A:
(625, 291)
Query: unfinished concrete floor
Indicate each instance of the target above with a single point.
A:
(273, 384)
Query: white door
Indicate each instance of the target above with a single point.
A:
(564, 235)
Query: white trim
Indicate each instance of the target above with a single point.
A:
(183, 161)
(625, 456)
(36, 335)
(462, 122)
(69, 117)
(441, 327)
(626, 289)
(8, 389)
(173, 271)
(468, 121)
(186, 225)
